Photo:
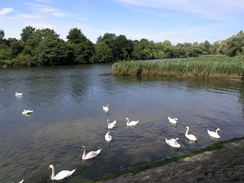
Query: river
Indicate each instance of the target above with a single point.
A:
(67, 103)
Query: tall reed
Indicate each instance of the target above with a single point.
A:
(203, 66)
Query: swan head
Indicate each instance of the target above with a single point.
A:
(176, 119)
(50, 167)
(218, 129)
(187, 127)
(108, 120)
(177, 139)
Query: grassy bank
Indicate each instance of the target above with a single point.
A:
(203, 66)
(136, 170)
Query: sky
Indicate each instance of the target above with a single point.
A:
(175, 20)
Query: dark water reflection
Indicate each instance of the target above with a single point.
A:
(67, 104)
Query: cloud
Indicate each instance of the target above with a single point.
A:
(5, 11)
(27, 16)
(211, 9)
(46, 9)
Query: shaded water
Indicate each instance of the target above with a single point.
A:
(67, 103)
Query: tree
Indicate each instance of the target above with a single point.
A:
(27, 33)
(122, 48)
(75, 36)
(1, 34)
(232, 46)
(82, 53)
(32, 42)
(83, 48)
(52, 51)
(15, 46)
(103, 53)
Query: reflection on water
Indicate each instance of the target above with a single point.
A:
(67, 104)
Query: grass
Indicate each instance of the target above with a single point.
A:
(135, 170)
(203, 66)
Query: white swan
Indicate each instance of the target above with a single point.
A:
(18, 94)
(108, 137)
(131, 123)
(61, 175)
(21, 181)
(173, 142)
(173, 120)
(190, 136)
(214, 134)
(27, 112)
(91, 154)
(106, 108)
(112, 124)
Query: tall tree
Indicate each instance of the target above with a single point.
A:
(1, 34)
(27, 33)
(52, 51)
(75, 36)
(83, 48)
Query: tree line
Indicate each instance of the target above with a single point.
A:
(45, 47)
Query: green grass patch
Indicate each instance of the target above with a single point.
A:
(203, 66)
(136, 170)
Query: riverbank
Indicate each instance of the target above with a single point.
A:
(220, 162)
(14, 64)
(197, 67)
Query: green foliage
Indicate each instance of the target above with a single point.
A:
(82, 53)
(52, 52)
(75, 36)
(103, 53)
(5, 53)
(27, 33)
(110, 48)
(15, 46)
(23, 58)
(1, 34)
(82, 48)
(232, 46)
(44, 47)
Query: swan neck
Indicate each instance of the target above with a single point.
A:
(84, 153)
(53, 174)
(187, 129)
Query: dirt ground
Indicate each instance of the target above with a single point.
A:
(225, 165)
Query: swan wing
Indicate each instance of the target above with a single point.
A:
(171, 120)
(113, 123)
(173, 143)
(133, 123)
(63, 174)
(92, 154)
(191, 137)
(21, 181)
(213, 134)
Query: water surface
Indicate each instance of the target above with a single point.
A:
(67, 103)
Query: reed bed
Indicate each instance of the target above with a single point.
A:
(203, 66)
